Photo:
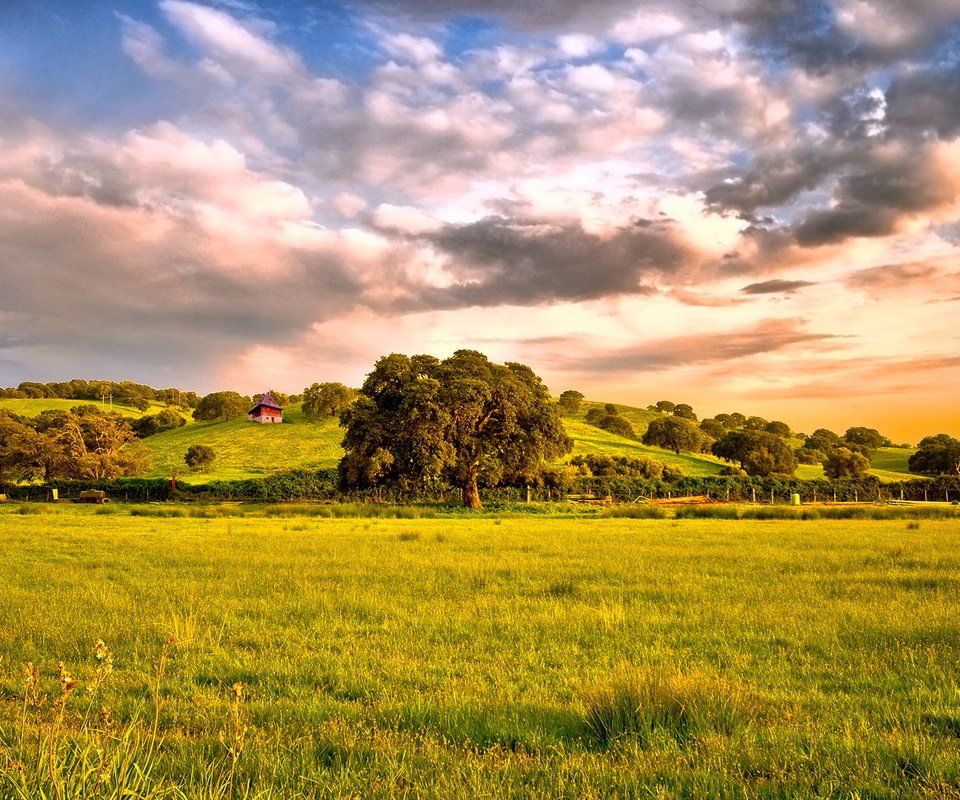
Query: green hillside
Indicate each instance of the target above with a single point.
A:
(245, 450)
(31, 408)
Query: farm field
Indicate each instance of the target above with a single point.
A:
(268, 652)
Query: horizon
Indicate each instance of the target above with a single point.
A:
(737, 208)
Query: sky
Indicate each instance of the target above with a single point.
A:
(744, 205)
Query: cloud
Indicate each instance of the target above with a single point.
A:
(891, 278)
(766, 336)
(775, 287)
(520, 261)
(231, 41)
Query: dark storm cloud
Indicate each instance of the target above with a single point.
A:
(838, 224)
(773, 180)
(775, 287)
(871, 202)
(926, 101)
(521, 262)
(801, 31)
(700, 349)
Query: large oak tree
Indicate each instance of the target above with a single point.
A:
(420, 422)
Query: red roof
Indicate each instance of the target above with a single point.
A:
(266, 401)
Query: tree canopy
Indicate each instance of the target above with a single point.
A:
(326, 399)
(937, 455)
(870, 438)
(677, 434)
(421, 422)
(570, 401)
(757, 452)
(199, 457)
(222, 406)
(842, 462)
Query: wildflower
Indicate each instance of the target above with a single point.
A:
(67, 681)
(104, 660)
(237, 690)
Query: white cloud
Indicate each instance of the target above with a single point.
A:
(229, 40)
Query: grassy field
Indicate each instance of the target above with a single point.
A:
(31, 408)
(270, 653)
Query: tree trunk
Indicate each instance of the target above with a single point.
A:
(471, 493)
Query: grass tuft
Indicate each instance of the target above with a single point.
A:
(647, 707)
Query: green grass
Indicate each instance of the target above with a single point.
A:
(480, 656)
(244, 449)
(31, 408)
(892, 461)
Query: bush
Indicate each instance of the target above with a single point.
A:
(199, 457)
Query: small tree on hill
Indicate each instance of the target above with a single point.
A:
(326, 400)
(199, 457)
(869, 438)
(570, 401)
(842, 462)
(937, 455)
(221, 405)
(614, 423)
(677, 434)
(757, 452)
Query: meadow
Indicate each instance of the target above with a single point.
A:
(273, 652)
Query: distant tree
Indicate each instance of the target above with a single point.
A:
(757, 452)
(570, 401)
(222, 406)
(778, 428)
(870, 438)
(841, 462)
(808, 455)
(677, 434)
(614, 423)
(326, 400)
(739, 420)
(610, 408)
(937, 455)
(199, 457)
(713, 428)
(822, 439)
(463, 420)
(594, 415)
(727, 420)
(684, 411)
(166, 420)
(755, 424)
(665, 406)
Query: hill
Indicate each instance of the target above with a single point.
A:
(245, 450)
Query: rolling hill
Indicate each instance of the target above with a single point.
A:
(246, 450)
